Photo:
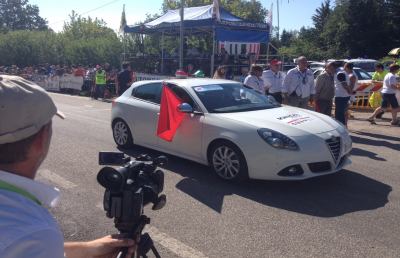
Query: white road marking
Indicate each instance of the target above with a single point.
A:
(173, 244)
(170, 243)
(56, 179)
(67, 114)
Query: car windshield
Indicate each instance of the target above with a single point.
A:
(362, 75)
(229, 98)
(367, 66)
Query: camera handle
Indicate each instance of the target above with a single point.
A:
(145, 243)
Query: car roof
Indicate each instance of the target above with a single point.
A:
(358, 60)
(188, 83)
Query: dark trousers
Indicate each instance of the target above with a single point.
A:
(99, 91)
(277, 96)
(324, 106)
(341, 106)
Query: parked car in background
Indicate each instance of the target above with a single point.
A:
(365, 64)
(287, 67)
(315, 65)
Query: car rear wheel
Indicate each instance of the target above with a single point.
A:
(228, 162)
(122, 134)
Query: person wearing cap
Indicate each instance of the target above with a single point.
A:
(389, 89)
(26, 227)
(273, 80)
(298, 86)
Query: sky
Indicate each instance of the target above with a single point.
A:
(293, 13)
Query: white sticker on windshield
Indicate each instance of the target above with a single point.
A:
(207, 88)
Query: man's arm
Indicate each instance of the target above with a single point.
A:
(37, 244)
(352, 82)
(312, 88)
(318, 87)
(106, 247)
(286, 86)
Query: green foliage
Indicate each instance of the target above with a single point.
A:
(19, 15)
(321, 15)
(353, 28)
(82, 41)
(28, 47)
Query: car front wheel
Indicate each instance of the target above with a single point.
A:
(122, 134)
(228, 162)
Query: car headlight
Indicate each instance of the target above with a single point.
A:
(277, 140)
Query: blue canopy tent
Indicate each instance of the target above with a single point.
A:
(203, 19)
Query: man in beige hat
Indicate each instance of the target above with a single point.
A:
(26, 228)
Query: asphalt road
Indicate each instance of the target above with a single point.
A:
(355, 213)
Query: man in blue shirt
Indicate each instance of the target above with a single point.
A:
(26, 227)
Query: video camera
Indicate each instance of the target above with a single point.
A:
(129, 188)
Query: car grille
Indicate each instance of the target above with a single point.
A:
(342, 160)
(334, 146)
(319, 167)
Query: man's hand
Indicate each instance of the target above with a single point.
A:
(311, 99)
(106, 247)
(285, 98)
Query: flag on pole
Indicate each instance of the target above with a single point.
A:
(123, 21)
(170, 118)
(269, 17)
(216, 13)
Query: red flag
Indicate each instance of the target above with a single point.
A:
(170, 118)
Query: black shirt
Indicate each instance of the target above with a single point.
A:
(124, 77)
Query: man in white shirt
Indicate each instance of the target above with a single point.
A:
(298, 86)
(26, 227)
(273, 80)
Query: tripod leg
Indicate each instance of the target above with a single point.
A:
(155, 252)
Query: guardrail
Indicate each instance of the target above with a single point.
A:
(59, 83)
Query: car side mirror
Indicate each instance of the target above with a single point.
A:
(185, 108)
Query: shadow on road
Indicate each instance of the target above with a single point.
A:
(373, 142)
(327, 196)
(365, 153)
(379, 136)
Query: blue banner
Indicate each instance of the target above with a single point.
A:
(224, 34)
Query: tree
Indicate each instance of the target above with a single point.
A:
(322, 15)
(366, 27)
(20, 15)
(88, 40)
(287, 38)
(393, 18)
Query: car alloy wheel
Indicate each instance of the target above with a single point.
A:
(226, 162)
(122, 134)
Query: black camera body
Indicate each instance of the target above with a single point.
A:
(129, 188)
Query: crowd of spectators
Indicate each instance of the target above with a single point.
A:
(44, 71)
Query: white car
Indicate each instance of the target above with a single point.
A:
(238, 132)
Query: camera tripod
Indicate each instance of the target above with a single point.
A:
(145, 242)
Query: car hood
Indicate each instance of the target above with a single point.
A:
(288, 120)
